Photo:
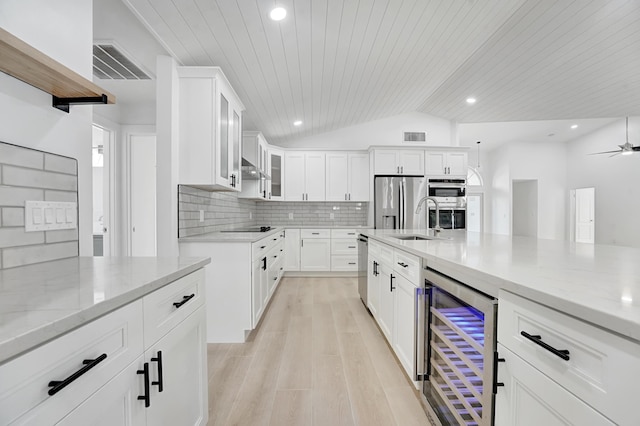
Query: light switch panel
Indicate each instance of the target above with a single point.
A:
(50, 215)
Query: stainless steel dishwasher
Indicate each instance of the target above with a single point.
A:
(363, 248)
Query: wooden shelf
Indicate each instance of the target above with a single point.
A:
(24, 62)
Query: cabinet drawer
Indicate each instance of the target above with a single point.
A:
(24, 397)
(161, 313)
(344, 233)
(386, 254)
(259, 248)
(344, 263)
(407, 265)
(315, 233)
(374, 247)
(601, 365)
(344, 246)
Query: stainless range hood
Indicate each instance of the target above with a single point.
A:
(251, 172)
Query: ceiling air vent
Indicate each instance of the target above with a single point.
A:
(415, 136)
(109, 63)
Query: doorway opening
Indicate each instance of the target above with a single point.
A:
(101, 142)
(524, 208)
(583, 201)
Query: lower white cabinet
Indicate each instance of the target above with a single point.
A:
(292, 249)
(373, 286)
(107, 373)
(114, 404)
(530, 398)
(178, 375)
(315, 254)
(385, 312)
(404, 322)
(257, 304)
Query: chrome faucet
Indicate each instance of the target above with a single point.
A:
(437, 228)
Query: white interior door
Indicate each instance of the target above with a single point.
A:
(585, 215)
(142, 194)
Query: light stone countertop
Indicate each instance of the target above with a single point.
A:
(252, 237)
(43, 301)
(595, 283)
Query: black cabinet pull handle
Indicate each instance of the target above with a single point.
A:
(185, 299)
(275, 239)
(275, 257)
(496, 383)
(261, 247)
(57, 385)
(352, 263)
(351, 246)
(159, 382)
(264, 263)
(315, 233)
(275, 278)
(537, 339)
(404, 265)
(391, 283)
(147, 394)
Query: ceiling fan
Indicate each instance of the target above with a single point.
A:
(625, 149)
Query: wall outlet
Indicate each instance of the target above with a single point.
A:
(290, 215)
(332, 216)
(201, 215)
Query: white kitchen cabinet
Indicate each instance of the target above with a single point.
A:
(210, 125)
(398, 161)
(373, 285)
(292, 250)
(530, 398)
(275, 189)
(347, 176)
(257, 299)
(255, 183)
(446, 163)
(315, 250)
(385, 312)
(114, 404)
(404, 323)
(182, 353)
(344, 250)
(160, 333)
(304, 176)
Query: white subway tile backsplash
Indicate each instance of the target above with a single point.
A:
(11, 196)
(57, 163)
(19, 156)
(12, 237)
(13, 216)
(22, 179)
(20, 256)
(17, 176)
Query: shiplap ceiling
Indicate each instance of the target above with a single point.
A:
(336, 63)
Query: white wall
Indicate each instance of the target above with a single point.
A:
(542, 161)
(525, 208)
(616, 180)
(386, 131)
(63, 30)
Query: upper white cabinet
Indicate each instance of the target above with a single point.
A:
(347, 176)
(304, 176)
(210, 129)
(398, 161)
(255, 168)
(254, 150)
(446, 163)
(276, 172)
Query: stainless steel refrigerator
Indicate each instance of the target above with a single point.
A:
(395, 201)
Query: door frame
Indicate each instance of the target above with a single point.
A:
(129, 131)
(109, 187)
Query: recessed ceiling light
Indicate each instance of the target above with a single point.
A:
(574, 126)
(278, 13)
(471, 101)
(297, 123)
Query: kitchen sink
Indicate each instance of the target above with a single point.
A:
(414, 237)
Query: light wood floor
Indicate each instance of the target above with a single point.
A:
(317, 358)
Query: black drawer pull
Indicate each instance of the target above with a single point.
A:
(315, 233)
(57, 385)
(160, 382)
(147, 394)
(275, 239)
(404, 265)
(537, 339)
(352, 263)
(261, 247)
(275, 257)
(185, 299)
(351, 246)
(275, 278)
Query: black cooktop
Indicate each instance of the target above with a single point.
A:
(251, 229)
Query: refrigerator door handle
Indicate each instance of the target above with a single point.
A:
(402, 206)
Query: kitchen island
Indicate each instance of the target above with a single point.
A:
(86, 338)
(563, 339)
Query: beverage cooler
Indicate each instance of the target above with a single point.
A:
(459, 352)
